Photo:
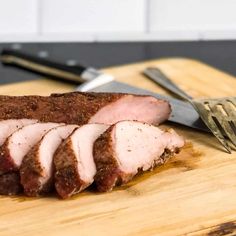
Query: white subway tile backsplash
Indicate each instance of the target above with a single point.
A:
(116, 20)
(93, 16)
(197, 15)
(18, 16)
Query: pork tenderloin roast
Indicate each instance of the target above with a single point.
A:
(71, 140)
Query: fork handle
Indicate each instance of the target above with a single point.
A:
(157, 76)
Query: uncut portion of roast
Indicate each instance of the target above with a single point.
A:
(82, 108)
(72, 140)
(128, 147)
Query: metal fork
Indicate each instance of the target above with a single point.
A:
(218, 114)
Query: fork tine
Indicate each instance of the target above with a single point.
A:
(229, 131)
(211, 124)
(225, 124)
(233, 126)
(229, 106)
(223, 113)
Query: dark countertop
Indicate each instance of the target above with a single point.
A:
(220, 54)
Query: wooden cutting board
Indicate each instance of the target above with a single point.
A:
(194, 194)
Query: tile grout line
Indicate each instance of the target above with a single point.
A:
(39, 17)
(147, 16)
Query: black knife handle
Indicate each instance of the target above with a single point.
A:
(42, 66)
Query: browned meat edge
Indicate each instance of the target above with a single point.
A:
(10, 179)
(30, 173)
(8, 164)
(69, 108)
(108, 173)
(10, 184)
(67, 179)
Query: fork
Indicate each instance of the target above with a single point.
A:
(218, 114)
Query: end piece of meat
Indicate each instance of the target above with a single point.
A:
(7, 127)
(130, 107)
(128, 147)
(74, 164)
(82, 108)
(36, 170)
(19, 143)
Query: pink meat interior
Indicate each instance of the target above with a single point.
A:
(137, 145)
(49, 144)
(146, 109)
(21, 141)
(7, 127)
(82, 140)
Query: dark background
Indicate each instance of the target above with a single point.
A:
(220, 54)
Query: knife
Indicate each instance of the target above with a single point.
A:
(91, 79)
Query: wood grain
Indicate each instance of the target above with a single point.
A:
(193, 194)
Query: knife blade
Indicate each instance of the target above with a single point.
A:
(91, 79)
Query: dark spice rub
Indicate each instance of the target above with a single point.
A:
(10, 184)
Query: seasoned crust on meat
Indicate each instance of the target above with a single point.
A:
(78, 108)
(67, 178)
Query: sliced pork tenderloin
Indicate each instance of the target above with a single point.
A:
(36, 170)
(19, 143)
(128, 147)
(7, 127)
(81, 108)
(74, 164)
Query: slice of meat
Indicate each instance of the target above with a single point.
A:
(37, 167)
(7, 127)
(128, 147)
(81, 108)
(9, 182)
(74, 164)
(19, 143)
